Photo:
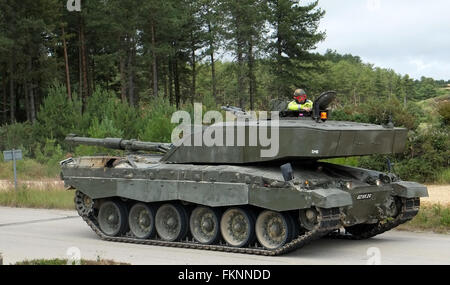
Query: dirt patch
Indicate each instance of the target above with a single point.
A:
(43, 184)
(439, 194)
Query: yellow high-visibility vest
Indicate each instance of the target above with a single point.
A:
(294, 106)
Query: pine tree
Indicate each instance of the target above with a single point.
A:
(295, 33)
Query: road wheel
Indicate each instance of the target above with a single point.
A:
(113, 218)
(204, 225)
(142, 221)
(273, 229)
(171, 222)
(308, 218)
(237, 227)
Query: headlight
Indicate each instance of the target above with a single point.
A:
(349, 185)
(379, 183)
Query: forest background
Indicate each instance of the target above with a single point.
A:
(121, 68)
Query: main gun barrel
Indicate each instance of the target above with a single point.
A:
(118, 143)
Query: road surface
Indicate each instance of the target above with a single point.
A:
(32, 233)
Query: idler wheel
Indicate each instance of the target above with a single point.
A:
(142, 221)
(171, 222)
(112, 218)
(204, 225)
(83, 203)
(273, 229)
(237, 227)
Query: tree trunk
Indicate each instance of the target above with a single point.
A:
(251, 75)
(193, 87)
(154, 62)
(177, 82)
(123, 83)
(171, 80)
(27, 100)
(92, 75)
(5, 97)
(131, 53)
(213, 67)
(12, 94)
(279, 53)
(166, 90)
(86, 91)
(66, 61)
(80, 69)
(32, 107)
(32, 104)
(240, 78)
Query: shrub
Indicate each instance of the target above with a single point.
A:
(17, 136)
(444, 111)
(155, 124)
(58, 116)
(108, 109)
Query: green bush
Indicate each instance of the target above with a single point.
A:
(444, 111)
(106, 108)
(103, 129)
(50, 154)
(58, 116)
(379, 112)
(17, 136)
(154, 124)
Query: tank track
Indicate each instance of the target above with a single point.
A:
(409, 209)
(329, 220)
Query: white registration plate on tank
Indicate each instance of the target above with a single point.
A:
(364, 196)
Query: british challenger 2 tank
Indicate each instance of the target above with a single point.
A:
(230, 198)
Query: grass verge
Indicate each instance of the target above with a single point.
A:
(42, 199)
(444, 177)
(29, 169)
(58, 261)
(431, 217)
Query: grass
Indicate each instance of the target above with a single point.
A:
(43, 199)
(28, 169)
(431, 217)
(58, 261)
(444, 177)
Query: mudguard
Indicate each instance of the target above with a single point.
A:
(331, 198)
(406, 189)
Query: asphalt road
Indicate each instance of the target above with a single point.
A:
(31, 233)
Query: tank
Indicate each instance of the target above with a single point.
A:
(232, 199)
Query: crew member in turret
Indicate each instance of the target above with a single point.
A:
(301, 102)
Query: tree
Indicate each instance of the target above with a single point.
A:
(295, 33)
(244, 23)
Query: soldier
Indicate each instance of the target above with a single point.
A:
(301, 102)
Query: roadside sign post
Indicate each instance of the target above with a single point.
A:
(13, 155)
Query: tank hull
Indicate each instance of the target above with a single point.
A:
(345, 196)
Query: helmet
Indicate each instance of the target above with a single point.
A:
(300, 95)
